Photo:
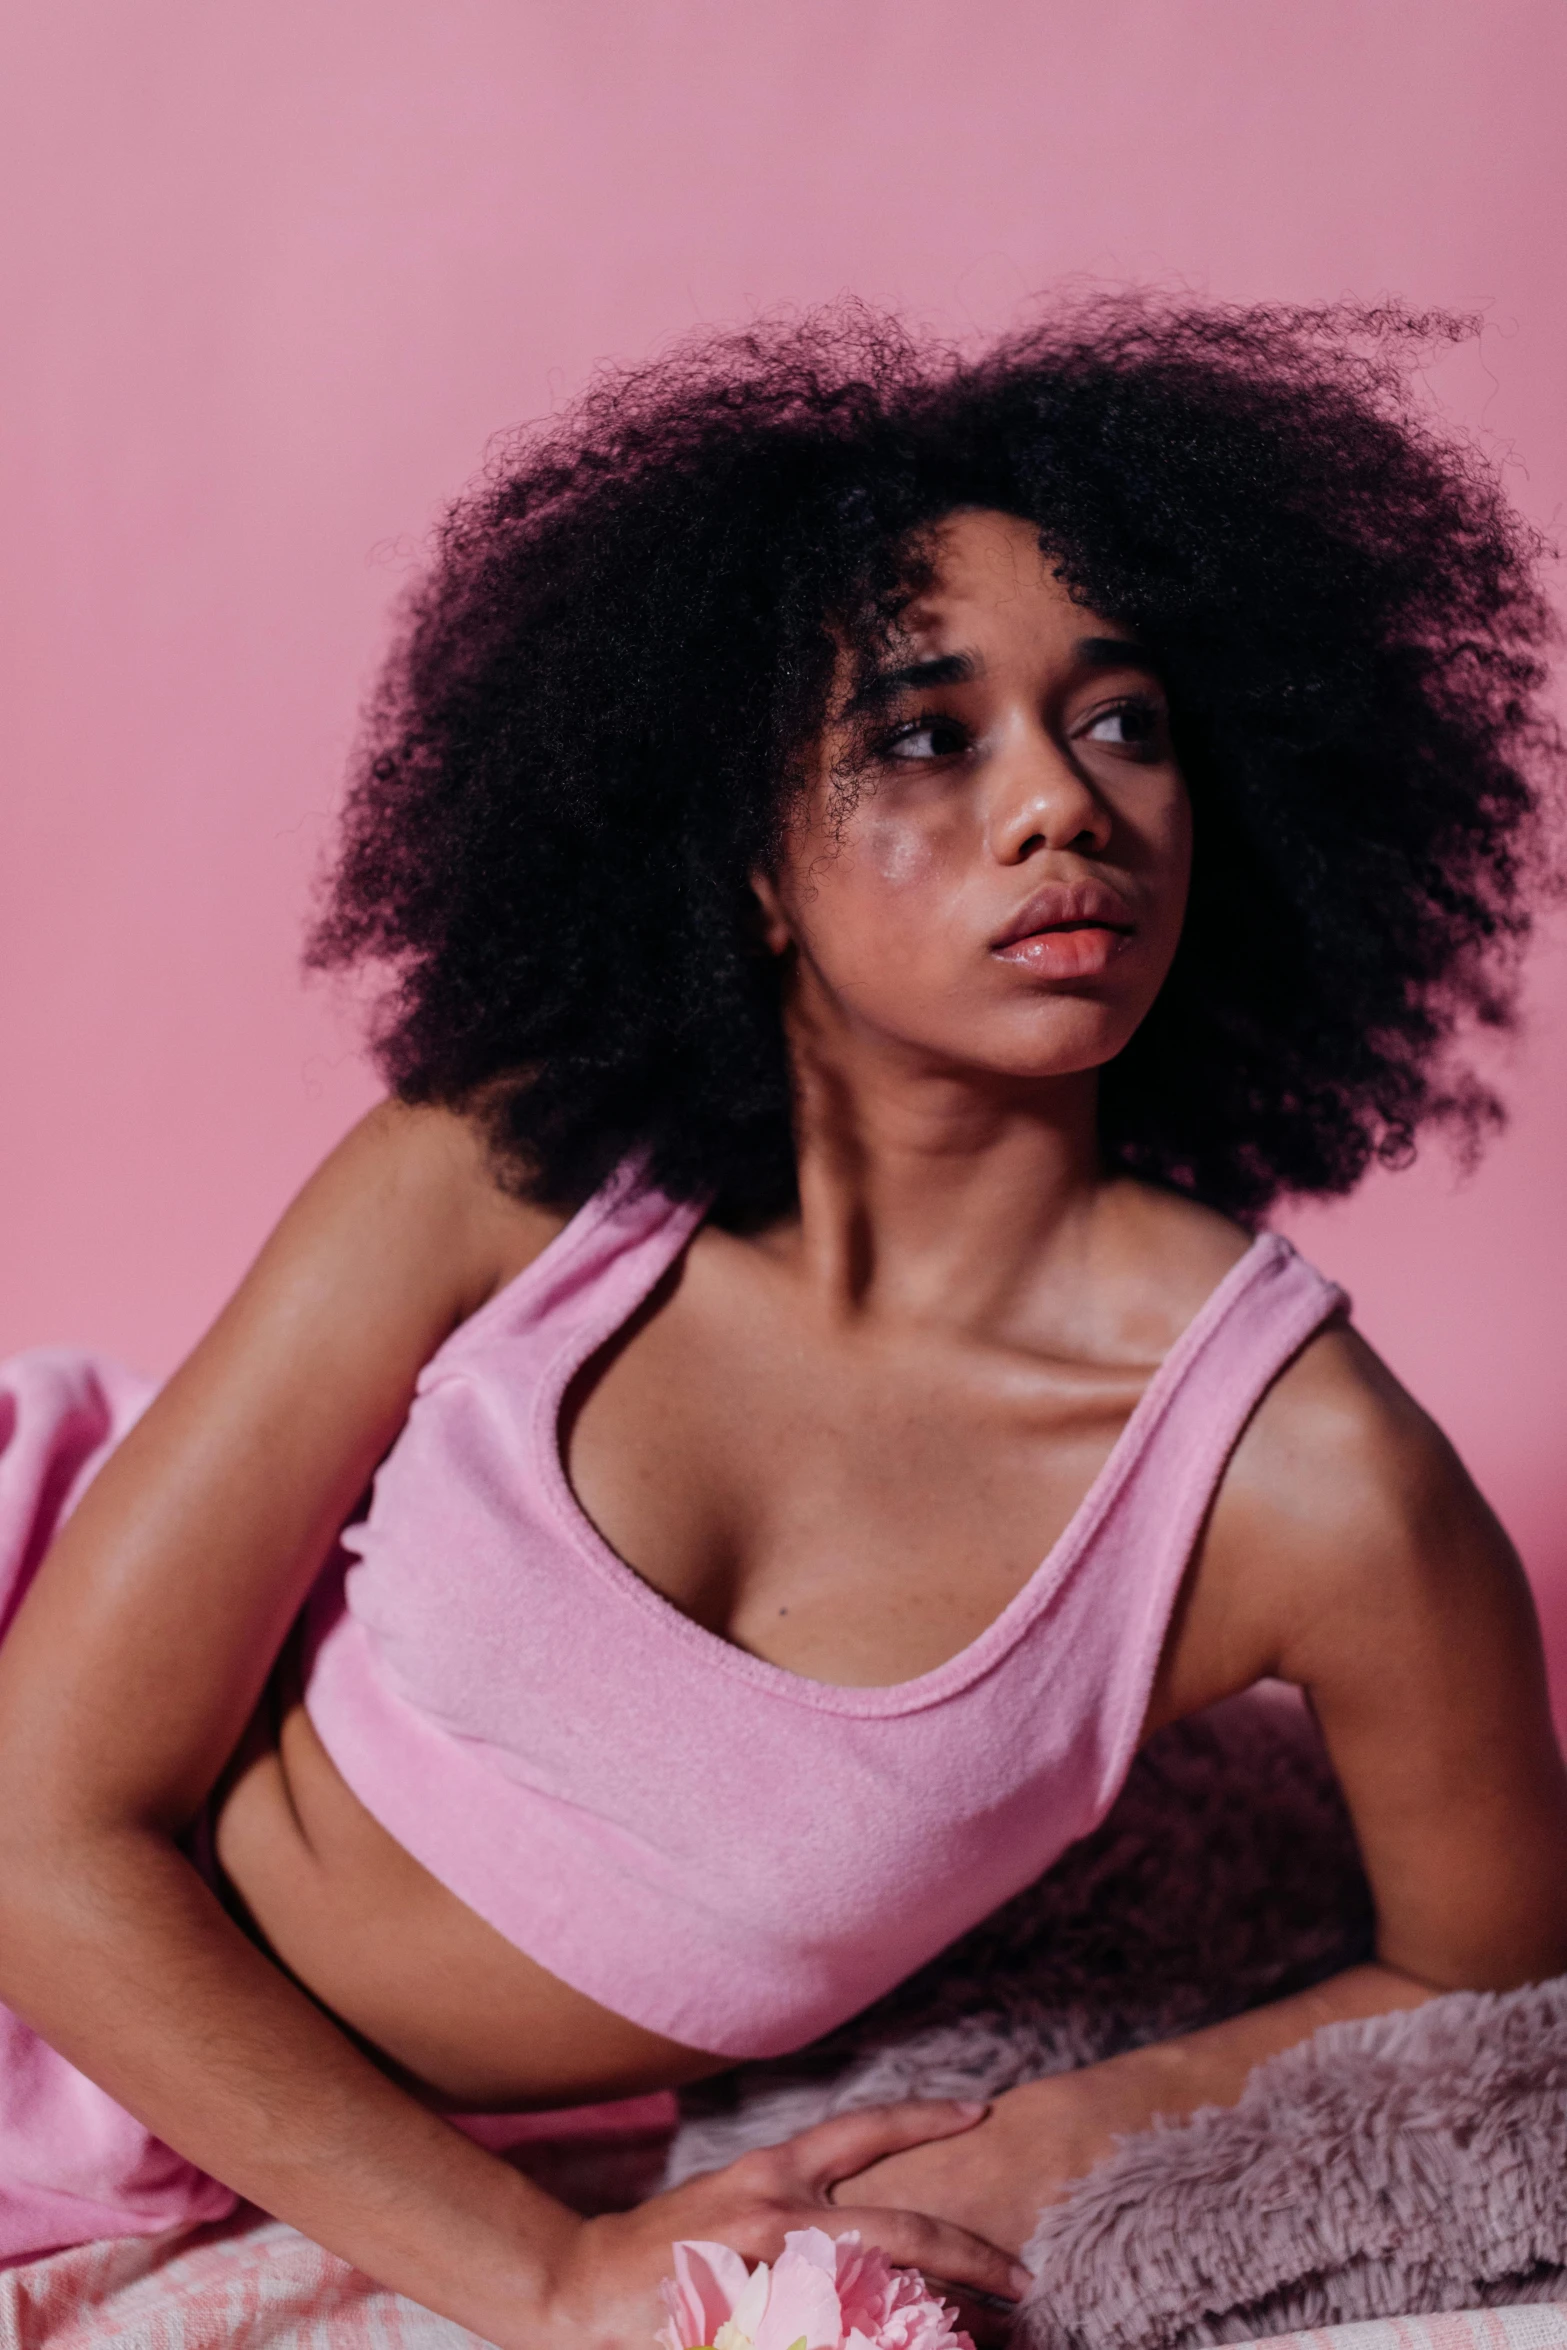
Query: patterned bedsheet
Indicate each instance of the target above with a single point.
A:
(248, 2283)
(251, 2283)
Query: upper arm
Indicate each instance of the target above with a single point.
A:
(144, 1642)
(1351, 1554)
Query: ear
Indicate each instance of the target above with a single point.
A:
(777, 935)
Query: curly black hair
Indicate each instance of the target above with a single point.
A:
(603, 701)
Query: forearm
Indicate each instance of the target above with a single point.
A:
(1039, 2138)
(1172, 2078)
(123, 1960)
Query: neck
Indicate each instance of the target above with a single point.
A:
(933, 1192)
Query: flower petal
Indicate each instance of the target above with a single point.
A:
(708, 2281)
(802, 2299)
(816, 2246)
(751, 2304)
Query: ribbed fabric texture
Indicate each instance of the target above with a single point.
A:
(720, 1850)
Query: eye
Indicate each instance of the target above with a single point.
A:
(1135, 725)
(933, 735)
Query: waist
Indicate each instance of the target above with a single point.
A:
(467, 2019)
(736, 1882)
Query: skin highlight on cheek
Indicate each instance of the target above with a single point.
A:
(1005, 887)
(896, 851)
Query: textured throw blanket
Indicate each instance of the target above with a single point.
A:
(1412, 2163)
(250, 2283)
(1416, 2163)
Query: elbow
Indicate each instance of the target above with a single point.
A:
(61, 1881)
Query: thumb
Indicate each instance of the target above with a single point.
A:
(851, 2142)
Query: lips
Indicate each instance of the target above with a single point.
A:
(1067, 930)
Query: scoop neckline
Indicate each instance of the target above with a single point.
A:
(977, 1656)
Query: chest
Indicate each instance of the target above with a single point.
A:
(855, 1505)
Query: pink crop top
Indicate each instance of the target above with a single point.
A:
(715, 1848)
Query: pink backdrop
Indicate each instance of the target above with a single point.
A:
(278, 271)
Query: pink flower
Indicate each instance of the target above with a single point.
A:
(819, 2295)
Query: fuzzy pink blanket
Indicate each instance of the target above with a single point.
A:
(1413, 2163)
(249, 2283)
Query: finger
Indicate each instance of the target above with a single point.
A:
(911, 2239)
(851, 2142)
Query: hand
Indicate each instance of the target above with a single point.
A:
(1034, 2142)
(1040, 2138)
(604, 2290)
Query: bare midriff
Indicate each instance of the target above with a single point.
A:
(774, 1489)
(438, 1995)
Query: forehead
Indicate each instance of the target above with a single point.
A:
(990, 584)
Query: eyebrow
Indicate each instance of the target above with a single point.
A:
(1115, 652)
(885, 685)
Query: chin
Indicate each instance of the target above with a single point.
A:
(1051, 1046)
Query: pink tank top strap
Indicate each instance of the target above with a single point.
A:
(1142, 1522)
(592, 1276)
(719, 1849)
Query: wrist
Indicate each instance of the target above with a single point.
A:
(511, 2295)
(1091, 2109)
(1081, 2114)
(525, 2297)
(1211, 2066)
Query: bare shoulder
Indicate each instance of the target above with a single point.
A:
(1347, 1520)
(1346, 1529)
(1339, 1444)
(1351, 1553)
(1172, 1254)
(1339, 1464)
(426, 1173)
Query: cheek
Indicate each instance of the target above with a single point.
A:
(1181, 831)
(878, 905)
(1166, 855)
(893, 855)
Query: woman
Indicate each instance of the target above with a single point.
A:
(884, 867)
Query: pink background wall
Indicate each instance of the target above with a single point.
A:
(277, 272)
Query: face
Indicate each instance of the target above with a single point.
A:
(1005, 889)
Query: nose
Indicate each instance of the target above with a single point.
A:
(1040, 799)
